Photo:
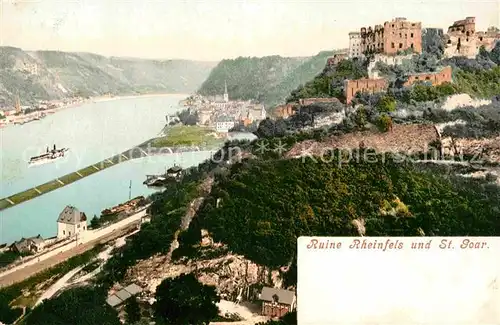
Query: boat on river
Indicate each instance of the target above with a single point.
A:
(173, 174)
(48, 156)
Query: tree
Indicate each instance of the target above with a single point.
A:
(360, 118)
(386, 104)
(265, 129)
(95, 222)
(384, 123)
(187, 117)
(495, 53)
(185, 301)
(79, 306)
(133, 310)
(271, 128)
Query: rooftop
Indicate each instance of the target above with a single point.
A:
(71, 215)
(133, 289)
(224, 119)
(286, 297)
(113, 301)
(123, 294)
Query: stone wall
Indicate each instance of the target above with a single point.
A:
(315, 100)
(436, 78)
(336, 58)
(387, 59)
(351, 87)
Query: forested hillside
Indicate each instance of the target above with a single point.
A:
(53, 74)
(269, 79)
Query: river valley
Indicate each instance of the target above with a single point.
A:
(93, 132)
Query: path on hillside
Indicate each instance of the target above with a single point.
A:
(65, 281)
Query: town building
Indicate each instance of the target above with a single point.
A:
(28, 245)
(118, 298)
(71, 222)
(434, 78)
(286, 110)
(204, 116)
(355, 49)
(224, 123)
(351, 87)
(256, 113)
(277, 302)
(31, 68)
(393, 37)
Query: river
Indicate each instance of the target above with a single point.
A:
(92, 131)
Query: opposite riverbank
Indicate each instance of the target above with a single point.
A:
(12, 120)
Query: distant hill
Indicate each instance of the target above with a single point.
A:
(268, 79)
(53, 74)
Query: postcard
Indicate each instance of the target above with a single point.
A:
(249, 162)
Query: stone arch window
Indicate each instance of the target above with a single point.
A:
(400, 45)
(467, 33)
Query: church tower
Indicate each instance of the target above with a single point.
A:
(226, 96)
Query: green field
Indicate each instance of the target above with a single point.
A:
(186, 135)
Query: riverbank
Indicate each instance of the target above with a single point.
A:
(30, 117)
(108, 98)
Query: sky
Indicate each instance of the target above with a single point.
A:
(213, 30)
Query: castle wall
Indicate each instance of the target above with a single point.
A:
(401, 35)
(462, 39)
(355, 49)
(392, 37)
(351, 87)
(335, 59)
(387, 59)
(310, 101)
(436, 78)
